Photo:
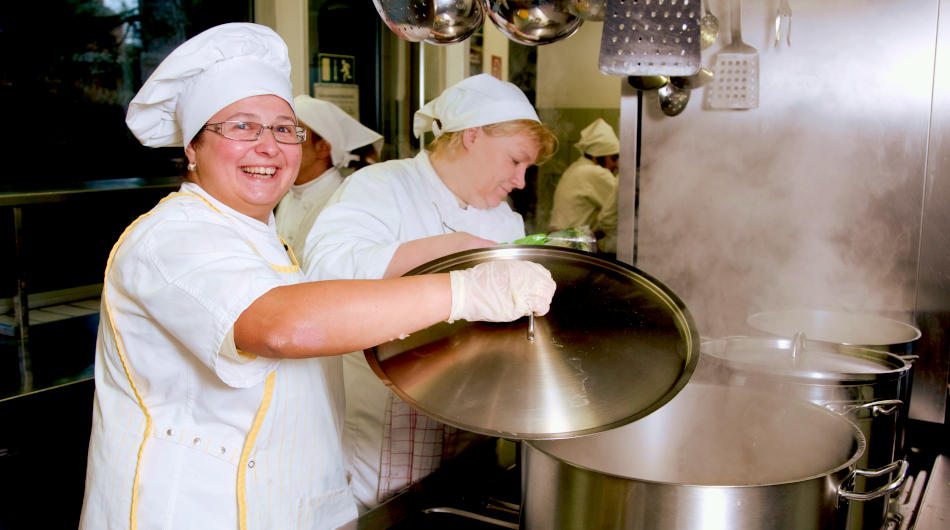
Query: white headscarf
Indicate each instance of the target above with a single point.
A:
(598, 139)
(472, 102)
(339, 129)
(205, 74)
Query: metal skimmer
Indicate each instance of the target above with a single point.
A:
(651, 37)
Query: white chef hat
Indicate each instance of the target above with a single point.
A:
(339, 129)
(478, 100)
(205, 74)
(598, 139)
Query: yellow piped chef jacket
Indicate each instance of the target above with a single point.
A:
(187, 431)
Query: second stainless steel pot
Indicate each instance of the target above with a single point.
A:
(714, 457)
(868, 386)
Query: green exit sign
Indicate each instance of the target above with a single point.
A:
(335, 68)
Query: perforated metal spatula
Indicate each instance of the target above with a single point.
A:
(736, 70)
(650, 37)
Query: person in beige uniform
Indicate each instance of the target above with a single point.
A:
(213, 407)
(586, 194)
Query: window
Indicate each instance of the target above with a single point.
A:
(69, 70)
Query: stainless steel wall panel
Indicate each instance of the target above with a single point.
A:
(813, 200)
(933, 285)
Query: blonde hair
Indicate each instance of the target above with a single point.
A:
(451, 142)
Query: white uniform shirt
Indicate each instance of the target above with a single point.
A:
(581, 197)
(300, 206)
(385, 205)
(386, 445)
(187, 431)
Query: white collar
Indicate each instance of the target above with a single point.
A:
(245, 220)
(324, 178)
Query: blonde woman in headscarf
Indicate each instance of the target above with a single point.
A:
(390, 217)
(213, 408)
(586, 194)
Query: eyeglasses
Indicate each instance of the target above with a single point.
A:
(249, 131)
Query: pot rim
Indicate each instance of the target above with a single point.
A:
(899, 365)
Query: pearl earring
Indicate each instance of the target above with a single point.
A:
(192, 166)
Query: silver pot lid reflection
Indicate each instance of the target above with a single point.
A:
(832, 326)
(616, 345)
(808, 360)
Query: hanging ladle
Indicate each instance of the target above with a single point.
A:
(708, 28)
(673, 99)
(648, 82)
(675, 95)
(700, 78)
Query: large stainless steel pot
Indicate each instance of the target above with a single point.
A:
(713, 457)
(870, 387)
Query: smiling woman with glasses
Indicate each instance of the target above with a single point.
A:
(218, 377)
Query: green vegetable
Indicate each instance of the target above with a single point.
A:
(533, 239)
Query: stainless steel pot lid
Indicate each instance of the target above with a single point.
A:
(615, 346)
(833, 326)
(803, 358)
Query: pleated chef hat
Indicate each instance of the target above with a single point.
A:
(478, 100)
(205, 74)
(337, 127)
(598, 139)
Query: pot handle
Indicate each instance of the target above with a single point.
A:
(891, 486)
(883, 407)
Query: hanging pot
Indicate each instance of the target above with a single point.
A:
(534, 22)
(440, 22)
(713, 457)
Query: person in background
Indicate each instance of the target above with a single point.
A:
(586, 194)
(212, 407)
(388, 218)
(333, 137)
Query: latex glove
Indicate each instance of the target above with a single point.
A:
(501, 291)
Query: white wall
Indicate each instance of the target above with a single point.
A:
(496, 43)
(569, 75)
(289, 19)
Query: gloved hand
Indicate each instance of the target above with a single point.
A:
(501, 291)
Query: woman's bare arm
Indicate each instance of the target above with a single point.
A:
(334, 317)
(413, 253)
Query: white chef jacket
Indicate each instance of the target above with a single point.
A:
(300, 206)
(584, 190)
(386, 445)
(385, 205)
(187, 431)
